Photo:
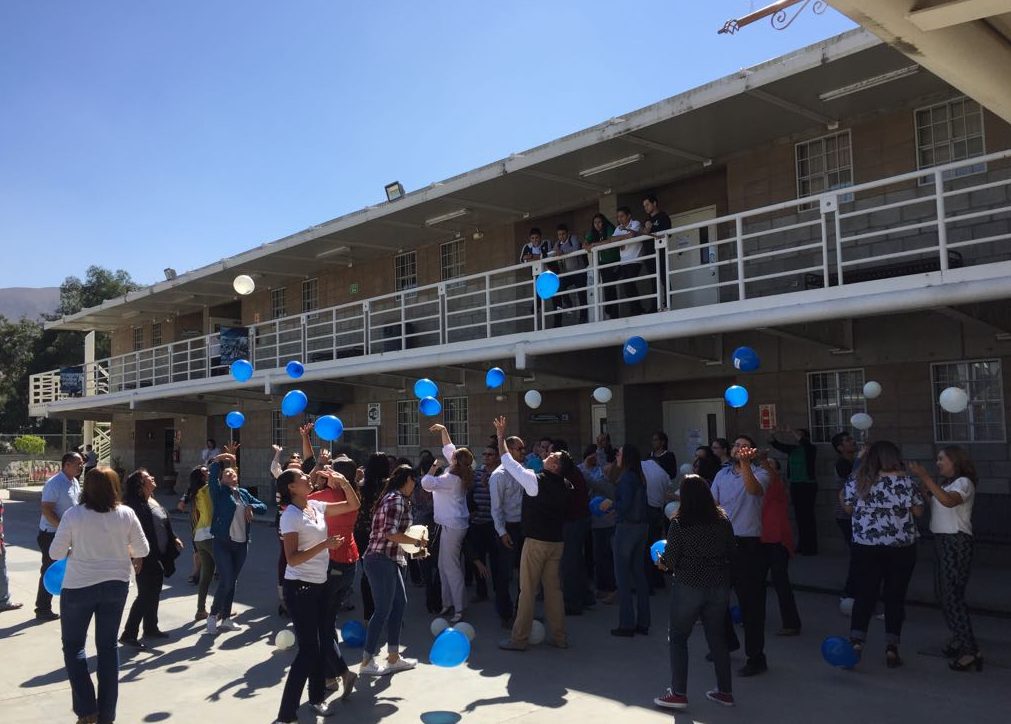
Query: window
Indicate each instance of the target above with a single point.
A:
(310, 295)
(452, 259)
(983, 419)
(138, 339)
(824, 164)
(949, 132)
(277, 305)
(278, 429)
(405, 270)
(833, 398)
(407, 423)
(454, 410)
(156, 334)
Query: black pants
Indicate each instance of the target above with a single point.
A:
(885, 569)
(368, 605)
(43, 599)
(575, 583)
(630, 289)
(846, 528)
(610, 306)
(308, 617)
(750, 571)
(145, 606)
(779, 560)
(576, 281)
(657, 530)
(508, 559)
(481, 538)
(804, 496)
(650, 266)
(339, 581)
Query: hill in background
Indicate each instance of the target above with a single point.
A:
(18, 302)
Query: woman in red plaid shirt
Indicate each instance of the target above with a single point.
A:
(385, 562)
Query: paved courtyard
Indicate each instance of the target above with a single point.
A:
(238, 677)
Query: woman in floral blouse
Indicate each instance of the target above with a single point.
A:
(883, 501)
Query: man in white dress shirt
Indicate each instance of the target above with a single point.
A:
(506, 506)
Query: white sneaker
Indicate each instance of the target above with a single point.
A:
(401, 664)
(322, 709)
(846, 606)
(212, 625)
(229, 625)
(372, 668)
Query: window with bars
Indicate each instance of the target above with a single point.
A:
(278, 308)
(452, 256)
(156, 334)
(983, 419)
(824, 164)
(948, 132)
(407, 423)
(833, 398)
(138, 339)
(405, 271)
(310, 295)
(278, 429)
(454, 413)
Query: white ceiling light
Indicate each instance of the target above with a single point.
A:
(449, 216)
(611, 165)
(862, 85)
(334, 251)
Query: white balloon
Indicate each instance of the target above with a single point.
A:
(537, 632)
(602, 394)
(243, 284)
(533, 399)
(284, 639)
(872, 390)
(954, 399)
(686, 469)
(415, 531)
(862, 421)
(438, 626)
(466, 629)
(671, 508)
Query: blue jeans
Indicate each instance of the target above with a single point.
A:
(308, 617)
(603, 559)
(229, 558)
(390, 596)
(105, 601)
(687, 605)
(629, 573)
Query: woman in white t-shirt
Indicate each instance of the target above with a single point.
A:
(449, 497)
(306, 547)
(951, 503)
(98, 538)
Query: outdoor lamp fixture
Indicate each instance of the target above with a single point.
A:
(170, 273)
(446, 217)
(873, 82)
(394, 191)
(477, 235)
(611, 165)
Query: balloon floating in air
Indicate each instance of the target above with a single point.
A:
(429, 406)
(602, 394)
(656, 550)
(329, 427)
(635, 350)
(736, 396)
(954, 400)
(533, 462)
(293, 403)
(241, 370)
(746, 359)
(243, 284)
(839, 652)
(451, 648)
(872, 390)
(425, 388)
(862, 421)
(353, 633)
(284, 639)
(532, 399)
(547, 284)
(495, 377)
(235, 419)
(295, 369)
(53, 578)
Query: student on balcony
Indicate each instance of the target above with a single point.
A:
(570, 267)
(656, 223)
(630, 254)
(599, 233)
(535, 249)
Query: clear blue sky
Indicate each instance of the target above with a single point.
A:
(142, 135)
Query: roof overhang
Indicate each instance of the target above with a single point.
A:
(675, 138)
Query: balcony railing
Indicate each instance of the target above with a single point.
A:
(917, 222)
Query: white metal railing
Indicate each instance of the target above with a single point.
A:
(890, 227)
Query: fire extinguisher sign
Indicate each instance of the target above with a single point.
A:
(767, 416)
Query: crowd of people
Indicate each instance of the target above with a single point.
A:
(518, 525)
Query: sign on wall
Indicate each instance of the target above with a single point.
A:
(767, 416)
(375, 416)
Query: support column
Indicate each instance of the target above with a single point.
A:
(88, 428)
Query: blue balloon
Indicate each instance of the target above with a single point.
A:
(736, 396)
(746, 359)
(295, 369)
(241, 369)
(429, 406)
(533, 462)
(353, 634)
(494, 378)
(837, 651)
(451, 648)
(425, 388)
(53, 579)
(547, 285)
(329, 427)
(595, 505)
(736, 615)
(235, 419)
(656, 550)
(635, 350)
(294, 403)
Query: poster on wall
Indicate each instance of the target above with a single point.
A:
(767, 416)
(234, 344)
(72, 381)
(375, 414)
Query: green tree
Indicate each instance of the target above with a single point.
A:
(30, 444)
(98, 286)
(18, 343)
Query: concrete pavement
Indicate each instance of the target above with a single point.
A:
(238, 677)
